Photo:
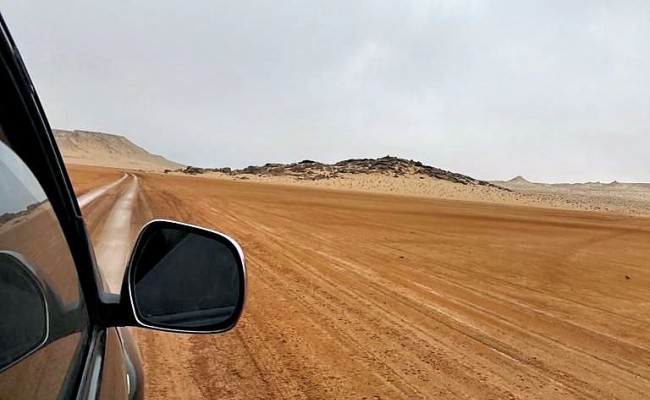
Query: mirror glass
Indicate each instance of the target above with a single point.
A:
(23, 312)
(185, 278)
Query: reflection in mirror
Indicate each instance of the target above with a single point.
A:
(23, 310)
(29, 226)
(183, 279)
(22, 192)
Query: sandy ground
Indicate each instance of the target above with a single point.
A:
(356, 295)
(114, 213)
(631, 199)
(86, 178)
(626, 198)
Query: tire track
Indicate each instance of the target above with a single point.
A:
(409, 298)
(87, 198)
(112, 240)
(113, 243)
(272, 236)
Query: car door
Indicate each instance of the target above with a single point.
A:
(42, 350)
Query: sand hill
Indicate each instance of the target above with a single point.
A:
(107, 150)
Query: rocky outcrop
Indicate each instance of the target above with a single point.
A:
(313, 170)
(196, 170)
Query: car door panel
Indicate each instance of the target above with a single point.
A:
(43, 374)
(114, 379)
(30, 232)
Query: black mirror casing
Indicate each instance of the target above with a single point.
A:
(183, 278)
(24, 314)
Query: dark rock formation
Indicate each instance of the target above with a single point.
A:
(313, 170)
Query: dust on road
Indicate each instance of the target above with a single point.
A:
(369, 296)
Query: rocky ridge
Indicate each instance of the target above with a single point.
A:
(313, 170)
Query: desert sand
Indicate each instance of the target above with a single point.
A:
(617, 197)
(366, 295)
(620, 198)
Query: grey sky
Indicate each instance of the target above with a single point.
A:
(553, 90)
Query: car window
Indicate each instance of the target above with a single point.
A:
(43, 318)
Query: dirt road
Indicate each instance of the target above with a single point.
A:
(370, 296)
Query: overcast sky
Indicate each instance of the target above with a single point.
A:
(552, 90)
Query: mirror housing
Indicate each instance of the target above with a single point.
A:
(184, 278)
(24, 310)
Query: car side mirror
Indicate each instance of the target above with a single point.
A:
(24, 324)
(184, 278)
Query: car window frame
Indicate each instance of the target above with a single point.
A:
(30, 137)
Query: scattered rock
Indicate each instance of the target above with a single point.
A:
(196, 170)
(193, 170)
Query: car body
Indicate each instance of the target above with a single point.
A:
(61, 334)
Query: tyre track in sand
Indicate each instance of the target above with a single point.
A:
(448, 309)
(108, 211)
(113, 243)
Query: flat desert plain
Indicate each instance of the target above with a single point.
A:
(371, 296)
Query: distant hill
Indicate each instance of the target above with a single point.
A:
(518, 182)
(107, 150)
(313, 170)
(518, 179)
